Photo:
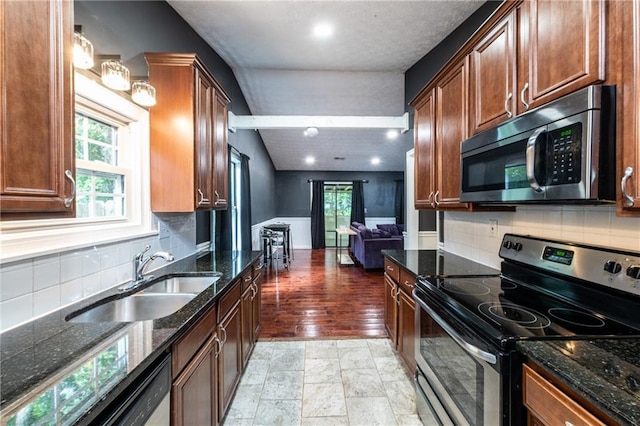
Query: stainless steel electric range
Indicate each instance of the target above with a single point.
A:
(469, 372)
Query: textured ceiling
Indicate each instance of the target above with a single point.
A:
(283, 69)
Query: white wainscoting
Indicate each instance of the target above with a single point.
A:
(301, 230)
(427, 240)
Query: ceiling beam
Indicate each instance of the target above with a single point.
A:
(255, 122)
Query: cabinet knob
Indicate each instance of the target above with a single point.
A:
(628, 199)
(69, 200)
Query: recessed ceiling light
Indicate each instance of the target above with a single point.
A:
(392, 134)
(309, 160)
(311, 132)
(322, 30)
(375, 160)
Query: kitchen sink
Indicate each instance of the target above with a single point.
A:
(187, 284)
(136, 307)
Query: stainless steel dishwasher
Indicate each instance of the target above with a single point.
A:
(147, 402)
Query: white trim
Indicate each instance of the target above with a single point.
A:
(254, 122)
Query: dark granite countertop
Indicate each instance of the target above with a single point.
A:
(432, 263)
(40, 358)
(605, 372)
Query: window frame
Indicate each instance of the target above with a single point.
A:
(22, 239)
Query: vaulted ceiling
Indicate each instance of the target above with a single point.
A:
(284, 69)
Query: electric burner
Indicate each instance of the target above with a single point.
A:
(469, 287)
(576, 317)
(508, 312)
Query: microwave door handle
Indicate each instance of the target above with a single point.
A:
(471, 349)
(531, 159)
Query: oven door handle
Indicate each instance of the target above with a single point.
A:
(531, 159)
(471, 349)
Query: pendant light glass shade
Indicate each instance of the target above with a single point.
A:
(143, 93)
(115, 75)
(82, 52)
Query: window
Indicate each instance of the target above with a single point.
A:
(112, 179)
(100, 180)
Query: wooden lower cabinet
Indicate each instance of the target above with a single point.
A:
(548, 404)
(407, 330)
(391, 308)
(193, 393)
(208, 360)
(399, 311)
(230, 357)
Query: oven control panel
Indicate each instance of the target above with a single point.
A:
(619, 269)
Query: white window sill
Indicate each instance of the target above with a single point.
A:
(21, 244)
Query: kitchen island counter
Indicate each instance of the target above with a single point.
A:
(98, 360)
(605, 372)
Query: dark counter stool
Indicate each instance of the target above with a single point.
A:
(281, 239)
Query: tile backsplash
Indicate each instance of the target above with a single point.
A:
(470, 235)
(33, 287)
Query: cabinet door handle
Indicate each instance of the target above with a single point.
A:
(393, 292)
(408, 284)
(201, 195)
(69, 200)
(247, 279)
(524, 89)
(506, 105)
(219, 346)
(390, 268)
(218, 199)
(429, 198)
(224, 340)
(435, 199)
(628, 200)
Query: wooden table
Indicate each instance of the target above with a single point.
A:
(344, 259)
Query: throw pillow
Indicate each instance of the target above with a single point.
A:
(390, 228)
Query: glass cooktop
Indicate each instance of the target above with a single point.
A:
(511, 311)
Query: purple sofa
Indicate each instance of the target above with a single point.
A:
(367, 244)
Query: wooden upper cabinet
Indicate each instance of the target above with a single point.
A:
(184, 134)
(203, 141)
(221, 152)
(441, 124)
(451, 129)
(424, 134)
(561, 49)
(492, 77)
(628, 172)
(37, 159)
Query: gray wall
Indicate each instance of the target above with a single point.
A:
(130, 28)
(293, 193)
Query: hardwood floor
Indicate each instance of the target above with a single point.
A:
(317, 298)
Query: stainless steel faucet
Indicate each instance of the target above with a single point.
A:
(140, 263)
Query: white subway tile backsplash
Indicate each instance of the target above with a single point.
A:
(71, 291)
(109, 257)
(90, 261)
(46, 272)
(16, 311)
(109, 278)
(70, 266)
(91, 284)
(467, 234)
(16, 281)
(46, 300)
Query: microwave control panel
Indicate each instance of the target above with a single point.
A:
(564, 155)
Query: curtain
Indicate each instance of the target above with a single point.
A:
(317, 215)
(357, 202)
(399, 202)
(223, 217)
(245, 202)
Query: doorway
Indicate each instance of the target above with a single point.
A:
(337, 209)
(235, 202)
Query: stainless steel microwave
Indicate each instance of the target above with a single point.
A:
(561, 152)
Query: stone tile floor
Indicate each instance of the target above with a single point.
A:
(324, 382)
